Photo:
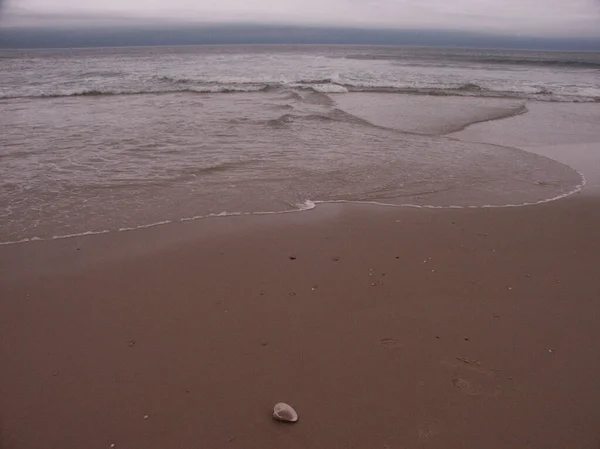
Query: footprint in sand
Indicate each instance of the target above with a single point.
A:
(461, 366)
(469, 387)
(390, 343)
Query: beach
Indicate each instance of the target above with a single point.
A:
(409, 270)
(383, 328)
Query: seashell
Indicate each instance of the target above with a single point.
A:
(284, 412)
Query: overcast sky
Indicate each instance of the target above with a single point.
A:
(543, 18)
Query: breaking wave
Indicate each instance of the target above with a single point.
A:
(166, 84)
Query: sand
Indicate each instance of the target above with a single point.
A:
(382, 327)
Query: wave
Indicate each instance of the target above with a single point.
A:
(214, 88)
(319, 87)
(474, 90)
(523, 61)
(574, 63)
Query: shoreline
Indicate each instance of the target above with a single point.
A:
(308, 205)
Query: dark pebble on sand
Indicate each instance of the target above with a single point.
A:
(292, 258)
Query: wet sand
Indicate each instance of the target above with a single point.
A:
(383, 327)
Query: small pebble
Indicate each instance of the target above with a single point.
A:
(132, 343)
(335, 259)
(146, 417)
(292, 257)
(292, 294)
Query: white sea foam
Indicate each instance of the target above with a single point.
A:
(329, 88)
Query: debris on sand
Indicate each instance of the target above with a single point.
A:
(284, 412)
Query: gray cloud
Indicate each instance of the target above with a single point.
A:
(545, 18)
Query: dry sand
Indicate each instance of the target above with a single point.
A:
(384, 328)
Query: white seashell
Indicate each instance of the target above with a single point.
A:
(284, 412)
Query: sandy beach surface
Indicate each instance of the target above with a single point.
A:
(384, 328)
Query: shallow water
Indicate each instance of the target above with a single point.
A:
(72, 163)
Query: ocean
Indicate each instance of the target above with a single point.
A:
(103, 140)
